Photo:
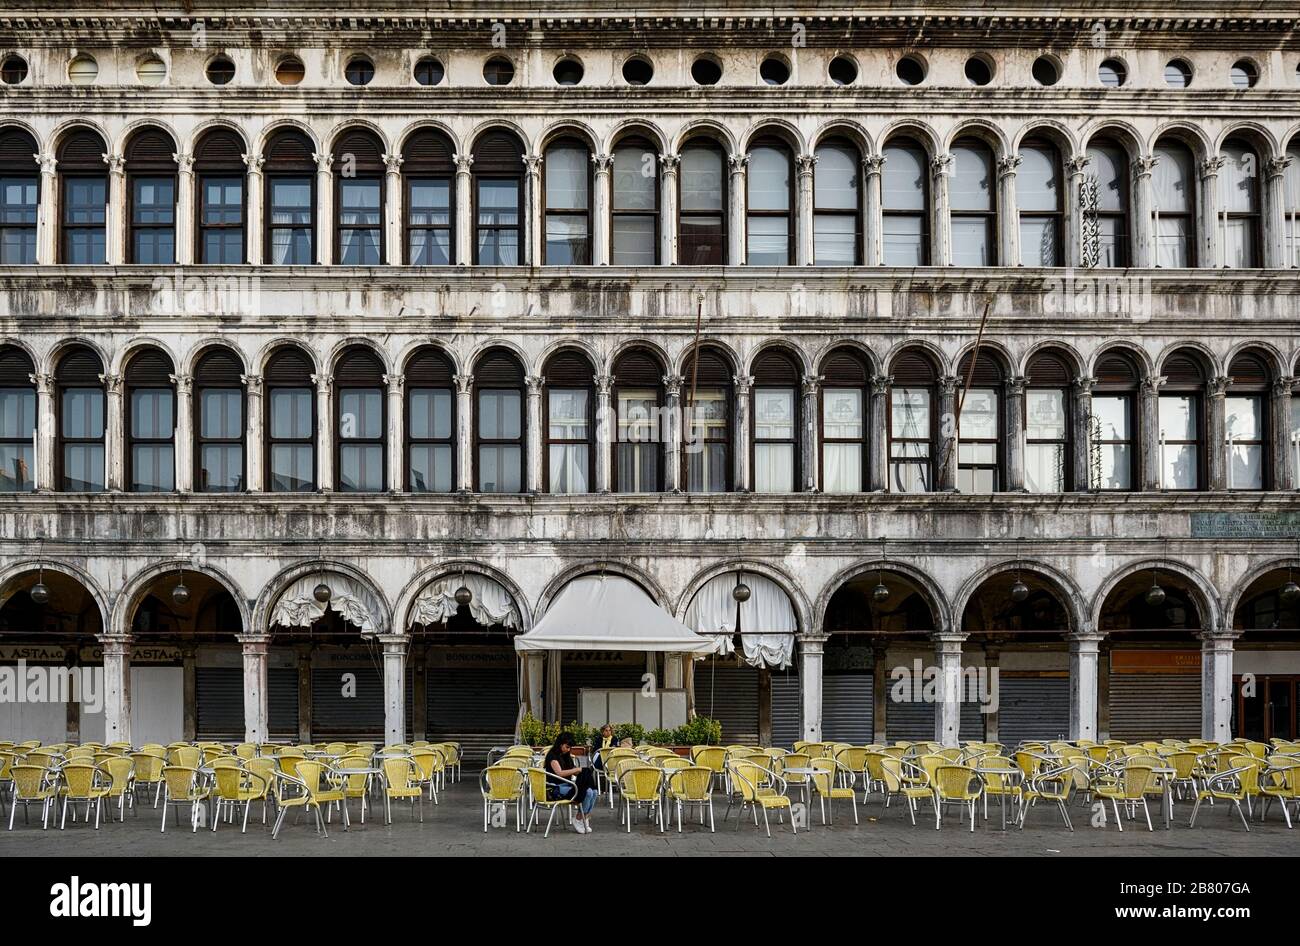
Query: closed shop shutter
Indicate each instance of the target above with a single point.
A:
(847, 708)
(730, 697)
(912, 721)
(596, 674)
(472, 699)
(787, 709)
(971, 726)
(1155, 706)
(282, 702)
(219, 702)
(333, 714)
(1032, 708)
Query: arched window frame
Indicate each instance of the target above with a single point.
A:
(561, 246)
(1248, 422)
(220, 188)
(288, 375)
(1291, 207)
(1240, 226)
(977, 465)
(1040, 219)
(1049, 409)
(499, 373)
(701, 243)
(1115, 401)
(776, 388)
(81, 446)
(638, 465)
(151, 223)
(289, 172)
(569, 406)
(150, 403)
(360, 422)
(829, 217)
(1185, 375)
(905, 233)
(1174, 220)
(973, 220)
(631, 222)
(1112, 214)
(429, 223)
(220, 423)
(710, 468)
(845, 398)
(499, 165)
(430, 448)
(758, 218)
(83, 222)
(17, 421)
(20, 197)
(359, 171)
(912, 460)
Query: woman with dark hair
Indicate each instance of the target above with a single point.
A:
(559, 762)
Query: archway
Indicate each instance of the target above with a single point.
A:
(1266, 657)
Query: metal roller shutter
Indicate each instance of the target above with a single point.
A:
(577, 675)
(333, 714)
(787, 709)
(1155, 706)
(971, 726)
(847, 709)
(912, 721)
(1033, 708)
(472, 699)
(282, 702)
(219, 702)
(730, 697)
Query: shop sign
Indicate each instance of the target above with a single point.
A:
(1155, 661)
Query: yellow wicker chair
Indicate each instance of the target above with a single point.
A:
(641, 784)
(902, 779)
(834, 780)
(538, 797)
(264, 766)
(795, 780)
(354, 784)
(121, 776)
(181, 787)
(233, 787)
(246, 750)
(31, 783)
(451, 758)
(430, 762)
(294, 792)
(502, 785)
(1281, 782)
(1053, 785)
(148, 772)
(1134, 783)
(955, 783)
(758, 788)
(995, 783)
(402, 780)
(1236, 784)
(325, 785)
(854, 758)
(692, 785)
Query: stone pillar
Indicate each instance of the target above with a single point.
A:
(1274, 217)
(255, 212)
(254, 648)
(115, 218)
(600, 238)
(668, 209)
(114, 433)
(946, 445)
(184, 208)
(464, 432)
(325, 432)
(45, 432)
(1149, 433)
(253, 449)
(1216, 684)
(674, 671)
(808, 447)
(947, 707)
(873, 223)
(1008, 212)
(47, 212)
(878, 449)
(535, 674)
(803, 230)
(117, 687)
(1081, 435)
(394, 199)
(533, 218)
(1284, 456)
(1015, 388)
(324, 209)
(879, 692)
(605, 432)
(671, 433)
(1208, 205)
(1085, 649)
(534, 435)
(744, 478)
(183, 436)
(394, 687)
(464, 248)
(1216, 437)
(941, 224)
(736, 228)
(811, 658)
(396, 432)
(1078, 167)
(1143, 226)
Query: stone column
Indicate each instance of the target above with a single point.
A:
(1081, 435)
(674, 671)
(604, 433)
(744, 478)
(394, 687)
(117, 687)
(1015, 387)
(671, 433)
(1284, 456)
(533, 220)
(183, 446)
(114, 434)
(600, 239)
(184, 208)
(253, 449)
(878, 449)
(1216, 437)
(464, 248)
(1216, 684)
(803, 230)
(1085, 649)
(396, 432)
(947, 707)
(1275, 213)
(45, 432)
(464, 432)
(324, 209)
(255, 212)
(668, 209)
(1008, 212)
(1208, 206)
(946, 445)
(1150, 432)
(808, 447)
(736, 228)
(879, 692)
(533, 435)
(47, 212)
(535, 671)
(1078, 168)
(394, 199)
(941, 224)
(1144, 238)
(872, 222)
(115, 218)
(325, 431)
(811, 657)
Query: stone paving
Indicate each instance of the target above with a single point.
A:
(455, 827)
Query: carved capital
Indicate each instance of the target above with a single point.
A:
(1084, 385)
(1078, 164)
(941, 164)
(253, 384)
(1007, 166)
(670, 162)
(1283, 387)
(1153, 384)
(463, 162)
(253, 162)
(602, 162)
(1218, 386)
(184, 383)
(948, 385)
(743, 383)
(395, 382)
(48, 162)
(881, 383)
(1144, 165)
(323, 162)
(739, 162)
(535, 383)
(185, 162)
(393, 163)
(673, 385)
(1016, 385)
(532, 164)
(112, 384)
(44, 382)
(806, 163)
(604, 384)
(116, 163)
(873, 164)
(1276, 167)
(322, 381)
(812, 383)
(1210, 167)
(464, 383)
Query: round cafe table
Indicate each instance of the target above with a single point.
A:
(1013, 775)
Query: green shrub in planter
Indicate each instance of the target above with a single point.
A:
(661, 737)
(633, 731)
(700, 731)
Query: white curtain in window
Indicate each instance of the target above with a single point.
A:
(767, 620)
(490, 605)
(297, 605)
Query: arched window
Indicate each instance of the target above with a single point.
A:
(979, 426)
(219, 444)
(634, 209)
(845, 392)
(150, 423)
(359, 199)
(1291, 206)
(151, 197)
(290, 200)
(498, 200)
(702, 224)
(1108, 172)
(219, 183)
(17, 422)
(1239, 217)
(81, 421)
(430, 422)
(1113, 425)
(1247, 423)
(912, 423)
(83, 198)
(707, 452)
(20, 186)
(499, 434)
(1040, 200)
(973, 204)
(638, 399)
(290, 422)
(1174, 205)
(1182, 422)
(905, 202)
(837, 204)
(570, 418)
(360, 420)
(567, 197)
(429, 178)
(1047, 424)
(770, 226)
(775, 423)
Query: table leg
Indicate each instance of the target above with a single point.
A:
(1169, 804)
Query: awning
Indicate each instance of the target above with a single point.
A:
(767, 621)
(610, 612)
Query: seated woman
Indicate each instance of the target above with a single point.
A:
(560, 762)
(601, 745)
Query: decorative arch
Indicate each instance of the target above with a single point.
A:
(1066, 591)
(844, 128)
(132, 594)
(940, 608)
(410, 593)
(1206, 596)
(275, 345)
(74, 572)
(1054, 346)
(802, 609)
(286, 124)
(634, 574)
(340, 132)
(632, 128)
(920, 132)
(428, 124)
(415, 346)
(1237, 594)
(784, 347)
(705, 128)
(983, 130)
(831, 345)
(1139, 354)
(264, 611)
(357, 341)
(135, 346)
(634, 343)
(777, 127)
(206, 344)
(941, 363)
(684, 356)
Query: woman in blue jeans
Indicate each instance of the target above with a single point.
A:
(560, 762)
